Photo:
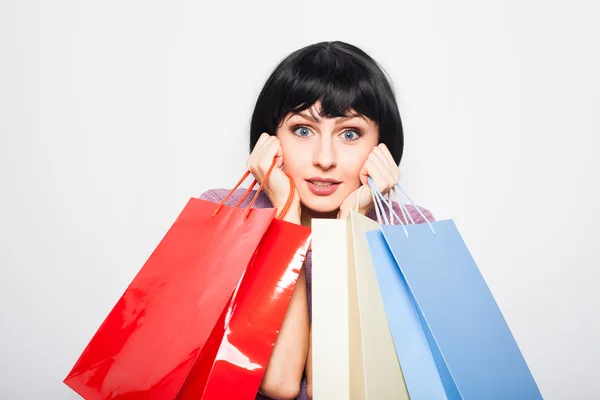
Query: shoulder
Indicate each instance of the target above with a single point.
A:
(217, 195)
(412, 211)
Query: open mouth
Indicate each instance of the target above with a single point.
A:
(322, 187)
(322, 184)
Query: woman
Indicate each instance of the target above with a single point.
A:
(328, 115)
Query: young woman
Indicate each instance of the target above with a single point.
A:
(328, 115)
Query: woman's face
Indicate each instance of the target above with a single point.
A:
(324, 156)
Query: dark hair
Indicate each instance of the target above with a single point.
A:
(340, 76)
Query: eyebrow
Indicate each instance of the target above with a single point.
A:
(338, 120)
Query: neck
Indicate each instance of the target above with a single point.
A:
(308, 214)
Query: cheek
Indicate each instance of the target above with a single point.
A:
(294, 158)
(352, 160)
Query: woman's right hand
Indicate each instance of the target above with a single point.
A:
(277, 188)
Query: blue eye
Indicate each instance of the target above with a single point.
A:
(350, 135)
(301, 131)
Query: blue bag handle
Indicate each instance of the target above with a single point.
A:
(380, 198)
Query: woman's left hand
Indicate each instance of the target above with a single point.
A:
(384, 171)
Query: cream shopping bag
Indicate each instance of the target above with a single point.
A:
(382, 374)
(353, 353)
(330, 309)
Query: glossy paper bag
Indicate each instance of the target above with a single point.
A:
(152, 338)
(255, 316)
(471, 344)
(164, 324)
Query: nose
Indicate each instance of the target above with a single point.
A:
(325, 155)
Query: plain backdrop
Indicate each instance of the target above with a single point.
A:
(113, 114)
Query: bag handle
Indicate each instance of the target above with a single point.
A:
(374, 203)
(285, 208)
(376, 206)
(288, 203)
(382, 199)
(402, 208)
(397, 187)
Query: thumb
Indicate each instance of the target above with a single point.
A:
(279, 154)
(364, 175)
(273, 150)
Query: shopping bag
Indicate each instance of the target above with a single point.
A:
(257, 312)
(330, 309)
(353, 352)
(165, 321)
(471, 345)
(370, 335)
(418, 367)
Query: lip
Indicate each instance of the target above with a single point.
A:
(322, 190)
(318, 179)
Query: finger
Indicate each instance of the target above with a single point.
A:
(387, 152)
(365, 200)
(364, 173)
(272, 149)
(279, 154)
(261, 152)
(256, 151)
(388, 163)
(263, 141)
(382, 177)
(367, 171)
(381, 156)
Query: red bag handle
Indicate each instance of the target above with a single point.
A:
(285, 208)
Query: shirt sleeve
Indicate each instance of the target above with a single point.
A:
(211, 195)
(414, 214)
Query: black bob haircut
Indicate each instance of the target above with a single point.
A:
(339, 75)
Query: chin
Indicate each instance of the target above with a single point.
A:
(321, 204)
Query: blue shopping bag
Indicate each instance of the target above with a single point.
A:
(418, 367)
(443, 316)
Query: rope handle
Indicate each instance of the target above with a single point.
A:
(290, 198)
(380, 198)
(245, 196)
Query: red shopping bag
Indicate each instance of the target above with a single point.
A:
(242, 342)
(160, 329)
(256, 312)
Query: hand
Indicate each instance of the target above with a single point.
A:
(384, 171)
(277, 188)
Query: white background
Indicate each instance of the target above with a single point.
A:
(114, 113)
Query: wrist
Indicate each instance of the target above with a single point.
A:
(292, 215)
(365, 209)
